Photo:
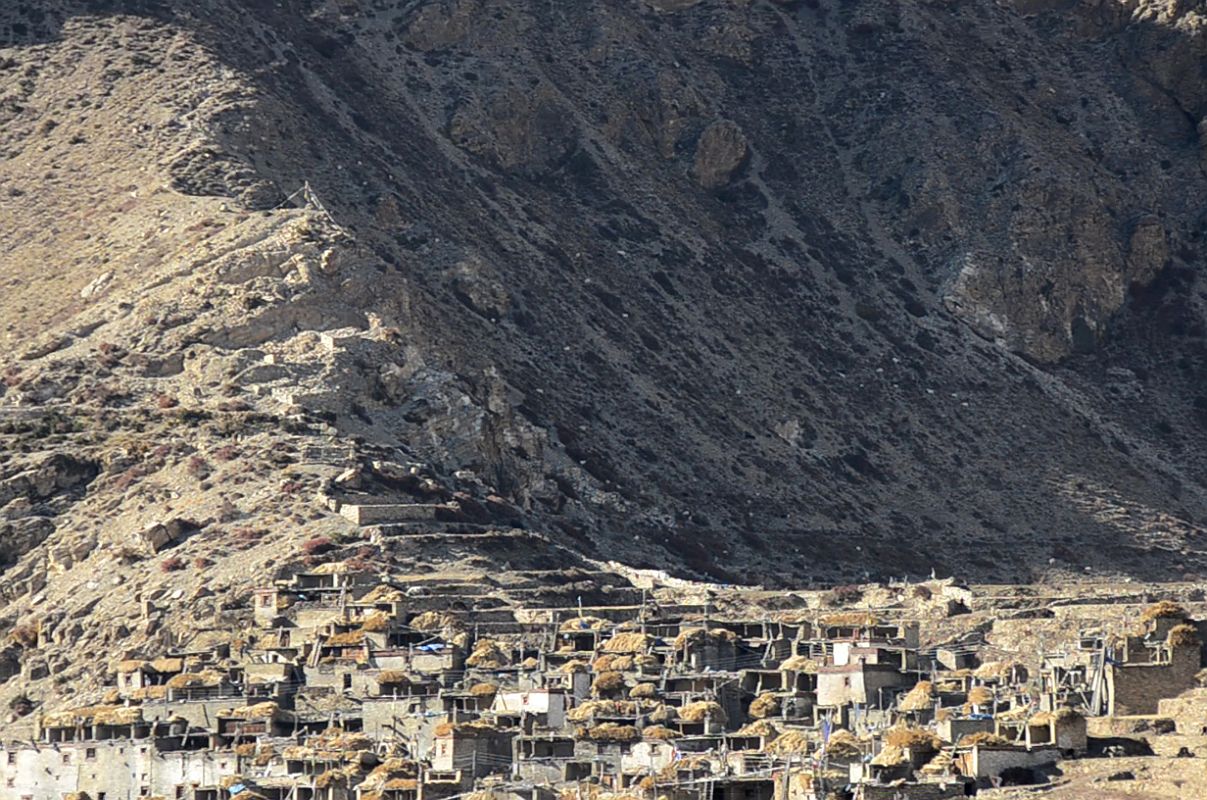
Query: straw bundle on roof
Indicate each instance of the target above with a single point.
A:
(941, 764)
(258, 711)
(130, 665)
(698, 711)
(382, 593)
(760, 727)
(585, 623)
(765, 705)
(1183, 636)
(1164, 609)
(911, 737)
(660, 732)
(574, 665)
(121, 715)
(330, 568)
(631, 642)
(890, 756)
(393, 677)
(603, 708)
(205, 679)
(430, 621)
(484, 690)
(149, 693)
(800, 664)
(644, 690)
(167, 665)
(789, 743)
(849, 619)
(530, 663)
(376, 622)
(645, 661)
(843, 744)
(983, 738)
(696, 636)
(607, 682)
(487, 654)
(994, 670)
(474, 729)
(980, 696)
(347, 639)
(610, 732)
(919, 698)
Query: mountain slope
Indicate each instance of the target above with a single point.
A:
(760, 291)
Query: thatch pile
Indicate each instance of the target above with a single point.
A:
(149, 693)
(120, 715)
(983, 738)
(761, 727)
(941, 764)
(919, 698)
(613, 663)
(130, 665)
(487, 654)
(980, 696)
(381, 594)
(474, 729)
(484, 690)
(167, 665)
(530, 663)
(997, 671)
(643, 691)
(1062, 714)
(790, 743)
(432, 621)
(699, 636)
(701, 710)
(609, 732)
(765, 705)
(912, 737)
(585, 623)
(660, 732)
(266, 710)
(574, 665)
(890, 756)
(800, 664)
(375, 622)
(1183, 635)
(393, 677)
(843, 744)
(602, 708)
(630, 642)
(206, 679)
(1164, 609)
(606, 682)
(330, 568)
(850, 619)
(393, 773)
(346, 639)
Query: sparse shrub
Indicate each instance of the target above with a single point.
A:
(923, 593)
(25, 635)
(201, 562)
(227, 452)
(198, 467)
(317, 546)
(842, 595)
(292, 487)
(165, 401)
(171, 564)
(127, 479)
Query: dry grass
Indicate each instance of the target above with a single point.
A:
(643, 691)
(800, 664)
(1183, 636)
(606, 682)
(1164, 609)
(919, 698)
(983, 738)
(609, 732)
(765, 705)
(631, 642)
(701, 710)
(911, 737)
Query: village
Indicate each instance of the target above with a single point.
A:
(348, 684)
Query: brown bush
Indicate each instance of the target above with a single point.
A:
(25, 635)
(165, 401)
(317, 546)
(171, 564)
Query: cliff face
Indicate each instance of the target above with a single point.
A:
(762, 291)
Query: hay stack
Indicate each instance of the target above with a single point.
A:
(843, 744)
(130, 665)
(121, 715)
(376, 622)
(850, 619)
(574, 665)
(258, 711)
(643, 691)
(919, 698)
(1165, 609)
(1183, 636)
(603, 708)
(631, 642)
(913, 738)
(487, 654)
(474, 729)
(701, 710)
(660, 732)
(381, 594)
(530, 663)
(205, 679)
(330, 568)
(890, 756)
(585, 623)
(941, 764)
(762, 728)
(800, 664)
(432, 621)
(997, 671)
(393, 677)
(698, 636)
(610, 732)
(484, 690)
(346, 639)
(606, 682)
(166, 665)
(765, 705)
(790, 743)
(983, 738)
(980, 696)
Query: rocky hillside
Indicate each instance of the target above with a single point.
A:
(749, 290)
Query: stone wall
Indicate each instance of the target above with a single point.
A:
(1137, 688)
